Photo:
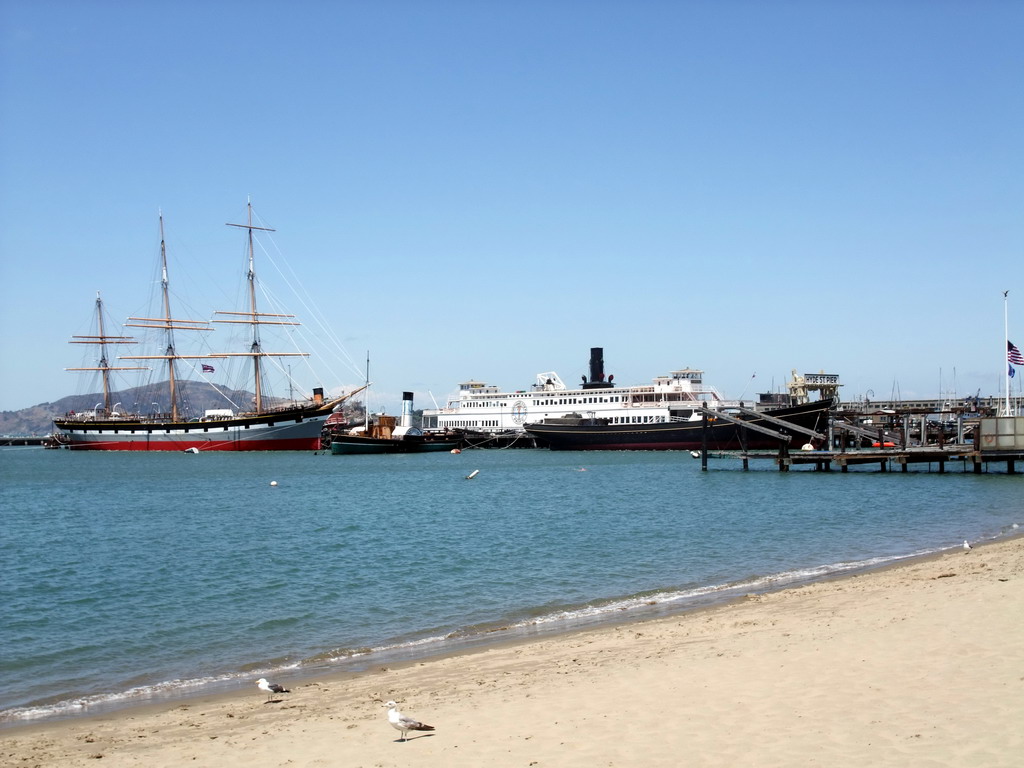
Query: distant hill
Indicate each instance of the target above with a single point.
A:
(198, 396)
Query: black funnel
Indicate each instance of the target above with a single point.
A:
(596, 370)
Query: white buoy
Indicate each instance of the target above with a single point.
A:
(273, 482)
(472, 474)
(456, 451)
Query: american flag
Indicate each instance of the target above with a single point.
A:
(1013, 354)
(211, 369)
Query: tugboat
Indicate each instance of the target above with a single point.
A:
(385, 434)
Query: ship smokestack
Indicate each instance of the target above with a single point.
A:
(596, 369)
(406, 410)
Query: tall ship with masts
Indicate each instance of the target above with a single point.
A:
(269, 424)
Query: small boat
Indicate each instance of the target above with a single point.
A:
(356, 444)
(270, 424)
(385, 434)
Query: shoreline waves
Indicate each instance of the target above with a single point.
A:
(912, 662)
(570, 619)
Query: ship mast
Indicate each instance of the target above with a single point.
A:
(172, 378)
(255, 318)
(102, 340)
(168, 324)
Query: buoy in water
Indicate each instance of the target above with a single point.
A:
(273, 482)
(193, 449)
(456, 451)
(472, 474)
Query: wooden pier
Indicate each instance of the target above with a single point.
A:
(889, 458)
(997, 440)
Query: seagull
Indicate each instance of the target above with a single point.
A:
(402, 723)
(967, 546)
(270, 688)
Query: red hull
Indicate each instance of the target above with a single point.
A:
(299, 444)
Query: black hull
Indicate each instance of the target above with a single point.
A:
(351, 444)
(680, 436)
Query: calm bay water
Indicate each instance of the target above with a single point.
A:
(130, 576)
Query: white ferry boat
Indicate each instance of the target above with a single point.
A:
(480, 407)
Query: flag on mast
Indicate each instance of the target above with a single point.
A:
(1013, 354)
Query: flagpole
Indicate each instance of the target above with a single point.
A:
(1006, 346)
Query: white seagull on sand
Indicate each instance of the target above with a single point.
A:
(967, 546)
(270, 688)
(402, 723)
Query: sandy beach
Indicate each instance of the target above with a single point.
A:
(916, 665)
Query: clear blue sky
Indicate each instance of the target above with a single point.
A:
(488, 189)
